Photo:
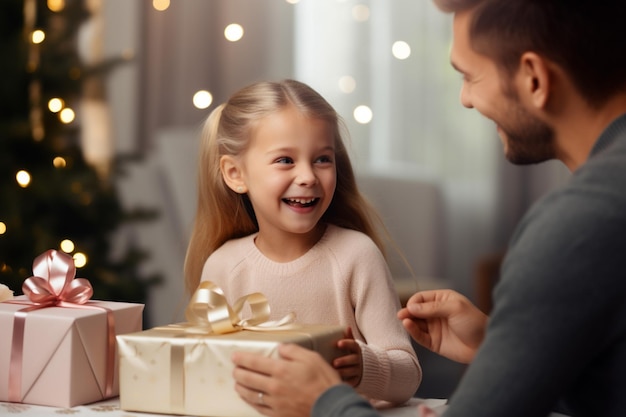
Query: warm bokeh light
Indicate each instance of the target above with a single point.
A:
(67, 246)
(38, 36)
(292, 1)
(56, 5)
(80, 259)
(361, 13)
(401, 50)
(202, 99)
(67, 115)
(363, 114)
(59, 162)
(347, 84)
(161, 5)
(3, 228)
(23, 178)
(55, 105)
(233, 32)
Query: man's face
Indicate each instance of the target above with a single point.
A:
(525, 137)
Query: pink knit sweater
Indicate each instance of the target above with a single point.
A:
(344, 280)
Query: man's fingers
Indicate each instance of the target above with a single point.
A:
(258, 402)
(434, 309)
(417, 333)
(254, 361)
(295, 352)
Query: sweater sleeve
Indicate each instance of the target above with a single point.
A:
(391, 371)
(556, 331)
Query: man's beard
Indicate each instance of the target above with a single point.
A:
(528, 139)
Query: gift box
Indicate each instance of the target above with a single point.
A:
(187, 369)
(57, 346)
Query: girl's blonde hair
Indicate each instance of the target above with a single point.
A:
(223, 214)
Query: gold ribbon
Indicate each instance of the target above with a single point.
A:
(208, 312)
(53, 284)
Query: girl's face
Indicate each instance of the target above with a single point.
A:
(289, 172)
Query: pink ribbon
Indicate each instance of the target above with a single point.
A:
(53, 284)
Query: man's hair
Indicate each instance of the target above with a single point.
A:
(586, 38)
(454, 6)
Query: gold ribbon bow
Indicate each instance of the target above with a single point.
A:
(209, 312)
(53, 284)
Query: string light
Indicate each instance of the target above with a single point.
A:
(361, 13)
(67, 246)
(3, 228)
(67, 115)
(38, 36)
(161, 5)
(347, 84)
(202, 99)
(401, 50)
(80, 259)
(363, 114)
(56, 5)
(23, 178)
(59, 162)
(233, 32)
(55, 105)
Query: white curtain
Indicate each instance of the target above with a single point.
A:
(419, 128)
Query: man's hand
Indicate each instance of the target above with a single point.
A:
(284, 387)
(445, 322)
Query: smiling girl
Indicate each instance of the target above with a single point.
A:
(279, 212)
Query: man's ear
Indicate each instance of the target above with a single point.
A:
(535, 79)
(232, 174)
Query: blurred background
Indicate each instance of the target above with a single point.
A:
(102, 102)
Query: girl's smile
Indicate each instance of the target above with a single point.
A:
(301, 202)
(289, 174)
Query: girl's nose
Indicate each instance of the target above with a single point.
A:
(305, 176)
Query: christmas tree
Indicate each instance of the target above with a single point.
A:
(50, 197)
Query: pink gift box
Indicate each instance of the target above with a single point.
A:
(64, 354)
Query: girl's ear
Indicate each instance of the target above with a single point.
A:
(232, 174)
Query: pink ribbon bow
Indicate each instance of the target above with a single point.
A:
(53, 281)
(53, 284)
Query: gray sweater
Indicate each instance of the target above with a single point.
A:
(556, 338)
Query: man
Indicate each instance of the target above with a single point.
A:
(551, 74)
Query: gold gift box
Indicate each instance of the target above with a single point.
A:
(168, 370)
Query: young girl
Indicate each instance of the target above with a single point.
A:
(279, 212)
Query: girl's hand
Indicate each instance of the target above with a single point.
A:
(350, 366)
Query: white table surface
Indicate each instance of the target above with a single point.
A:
(111, 408)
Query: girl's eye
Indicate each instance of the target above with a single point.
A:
(324, 159)
(284, 160)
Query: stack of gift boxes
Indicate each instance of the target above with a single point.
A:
(64, 349)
